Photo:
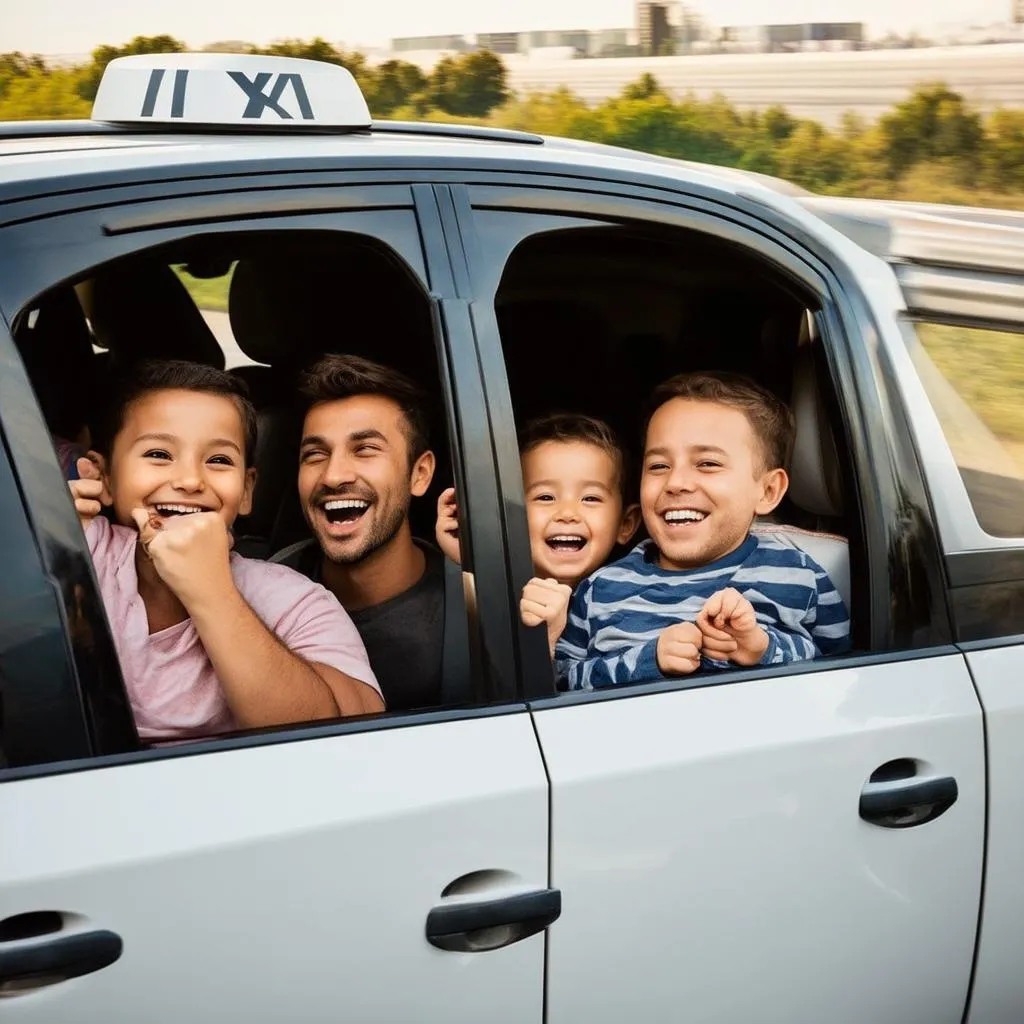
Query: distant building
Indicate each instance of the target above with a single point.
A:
(786, 38)
(410, 44)
(1017, 14)
(614, 42)
(654, 30)
(575, 39)
(499, 42)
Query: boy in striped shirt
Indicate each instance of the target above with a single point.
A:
(704, 591)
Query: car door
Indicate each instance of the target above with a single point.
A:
(385, 869)
(962, 379)
(760, 846)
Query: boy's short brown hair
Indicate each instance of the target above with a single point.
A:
(571, 427)
(769, 417)
(335, 377)
(178, 375)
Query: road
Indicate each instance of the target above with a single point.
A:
(816, 85)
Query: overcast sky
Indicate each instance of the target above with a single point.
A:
(66, 27)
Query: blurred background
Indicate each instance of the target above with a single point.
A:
(920, 100)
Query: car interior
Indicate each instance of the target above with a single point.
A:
(591, 319)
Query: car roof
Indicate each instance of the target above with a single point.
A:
(43, 152)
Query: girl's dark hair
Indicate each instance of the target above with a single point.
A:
(569, 427)
(178, 375)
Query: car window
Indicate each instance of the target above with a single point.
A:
(294, 297)
(592, 317)
(974, 378)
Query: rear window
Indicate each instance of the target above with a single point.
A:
(974, 378)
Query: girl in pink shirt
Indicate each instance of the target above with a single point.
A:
(208, 641)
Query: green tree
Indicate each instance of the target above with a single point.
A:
(644, 88)
(1004, 151)
(814, 158)
(934, 123)
(471, 85)
(103, 55)
(398, 84)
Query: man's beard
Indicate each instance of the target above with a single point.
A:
(384, 530)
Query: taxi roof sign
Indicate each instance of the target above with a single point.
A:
(235, 90)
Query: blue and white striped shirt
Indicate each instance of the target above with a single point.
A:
(618, 613)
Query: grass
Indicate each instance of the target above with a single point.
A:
(986, 368)
(206, 292)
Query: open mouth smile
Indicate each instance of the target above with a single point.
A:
(345, 510)
(566, 543)
(168, 510)
(683, 517)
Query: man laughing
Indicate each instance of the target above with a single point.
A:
(362, 460)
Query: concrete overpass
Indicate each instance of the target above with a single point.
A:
(816, 85)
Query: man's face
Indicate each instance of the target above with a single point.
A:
(355, 481)
(703, 482)
(180, 452)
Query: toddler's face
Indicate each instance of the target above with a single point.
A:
(574, 509)
(179, 452)
(703, 482)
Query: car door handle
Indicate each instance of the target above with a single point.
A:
(475, 926)
(903, 803)
(59, 958)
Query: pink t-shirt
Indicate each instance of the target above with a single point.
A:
(172, 686)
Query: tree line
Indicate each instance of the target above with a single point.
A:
(933, 146)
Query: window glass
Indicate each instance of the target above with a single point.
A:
(974, 378)
(210, 294)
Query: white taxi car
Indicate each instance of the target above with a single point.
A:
(837, 842)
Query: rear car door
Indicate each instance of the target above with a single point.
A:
(962, 372)
(761, 845)
(386, 869)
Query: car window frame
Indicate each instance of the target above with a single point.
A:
(122, 225)
(985, 572)
(848, 328)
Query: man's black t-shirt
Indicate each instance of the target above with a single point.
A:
(404, 636)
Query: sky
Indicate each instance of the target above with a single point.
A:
(68, 27)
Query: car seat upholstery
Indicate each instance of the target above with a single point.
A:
(141, 310)
(815, 479)
(56, 347)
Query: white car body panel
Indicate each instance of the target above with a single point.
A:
(288, 882)
(998, 995)
(714, 867)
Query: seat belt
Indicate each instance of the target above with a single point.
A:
(456, 670)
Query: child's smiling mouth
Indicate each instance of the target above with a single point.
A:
(683, 517)
(168, 510)
(566, 543)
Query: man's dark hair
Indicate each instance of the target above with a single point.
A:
(334, 377)
(179, 375)
(569, 427)
(770, 418)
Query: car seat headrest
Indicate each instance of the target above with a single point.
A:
(815, 480)
(142, 311)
